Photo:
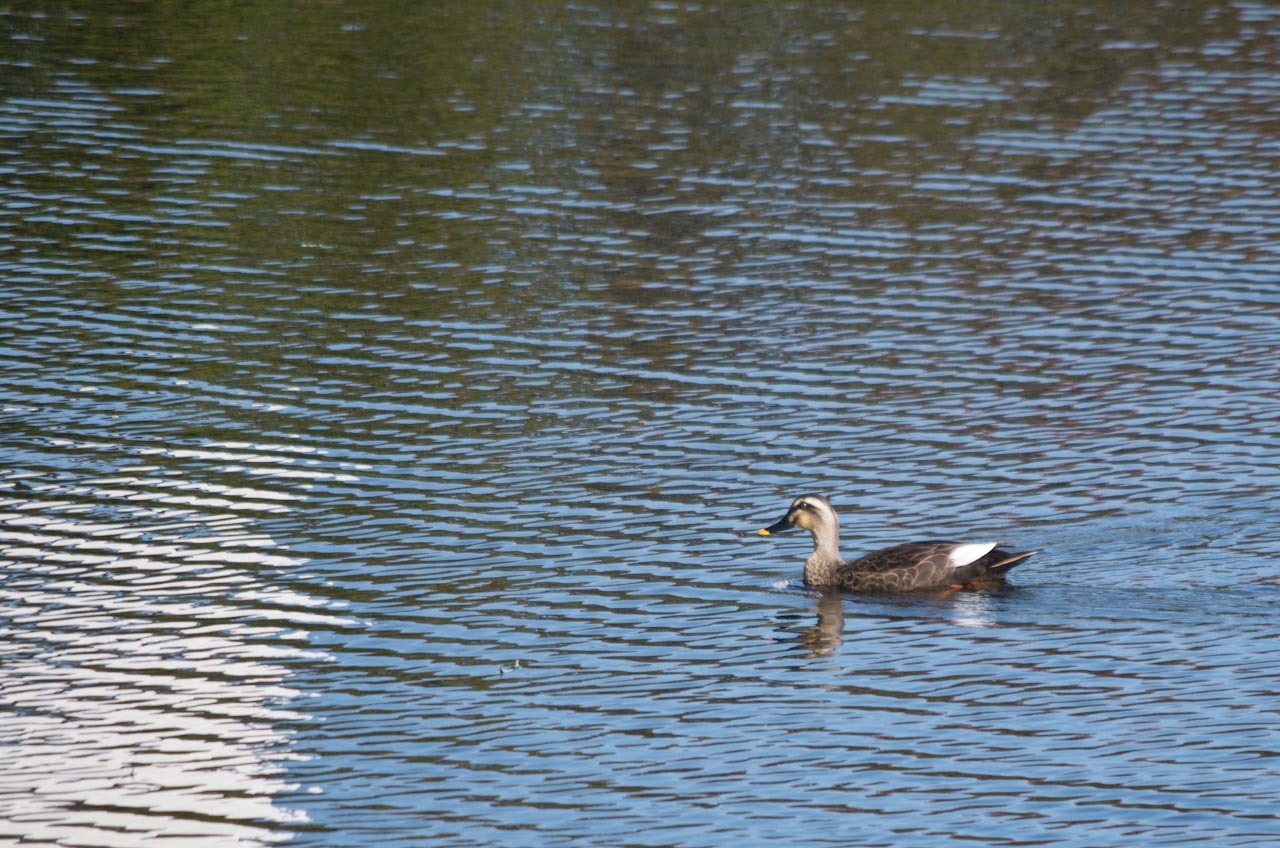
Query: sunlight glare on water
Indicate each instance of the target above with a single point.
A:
(143, 658)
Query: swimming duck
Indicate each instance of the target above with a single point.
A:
(901, 568)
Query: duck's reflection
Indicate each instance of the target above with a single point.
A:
(827, 634)
(964, 608)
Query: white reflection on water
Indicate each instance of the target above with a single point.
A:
(141, 679)
(974, 609)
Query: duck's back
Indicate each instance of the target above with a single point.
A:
(924, 565)
(901, 568)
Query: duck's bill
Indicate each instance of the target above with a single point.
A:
(776, 527)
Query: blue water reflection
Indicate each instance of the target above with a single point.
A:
(391, 395)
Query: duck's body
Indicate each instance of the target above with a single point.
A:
(901, 568)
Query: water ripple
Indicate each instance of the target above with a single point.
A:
(383, 445)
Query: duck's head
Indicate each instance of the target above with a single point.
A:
(808, 512)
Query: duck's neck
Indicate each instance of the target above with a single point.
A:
(820, 568)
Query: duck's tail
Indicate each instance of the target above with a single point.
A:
(991, 568)
(1004, 560)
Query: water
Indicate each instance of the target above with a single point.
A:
(391, 394)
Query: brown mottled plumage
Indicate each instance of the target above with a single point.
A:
(901, 568)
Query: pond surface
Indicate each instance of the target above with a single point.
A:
(391, 393)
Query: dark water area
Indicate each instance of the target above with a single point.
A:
(391, 393)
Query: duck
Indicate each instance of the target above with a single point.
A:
(901, 568)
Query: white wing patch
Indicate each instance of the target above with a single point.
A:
(965, 554)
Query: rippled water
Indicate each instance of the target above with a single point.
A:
(391, 394)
